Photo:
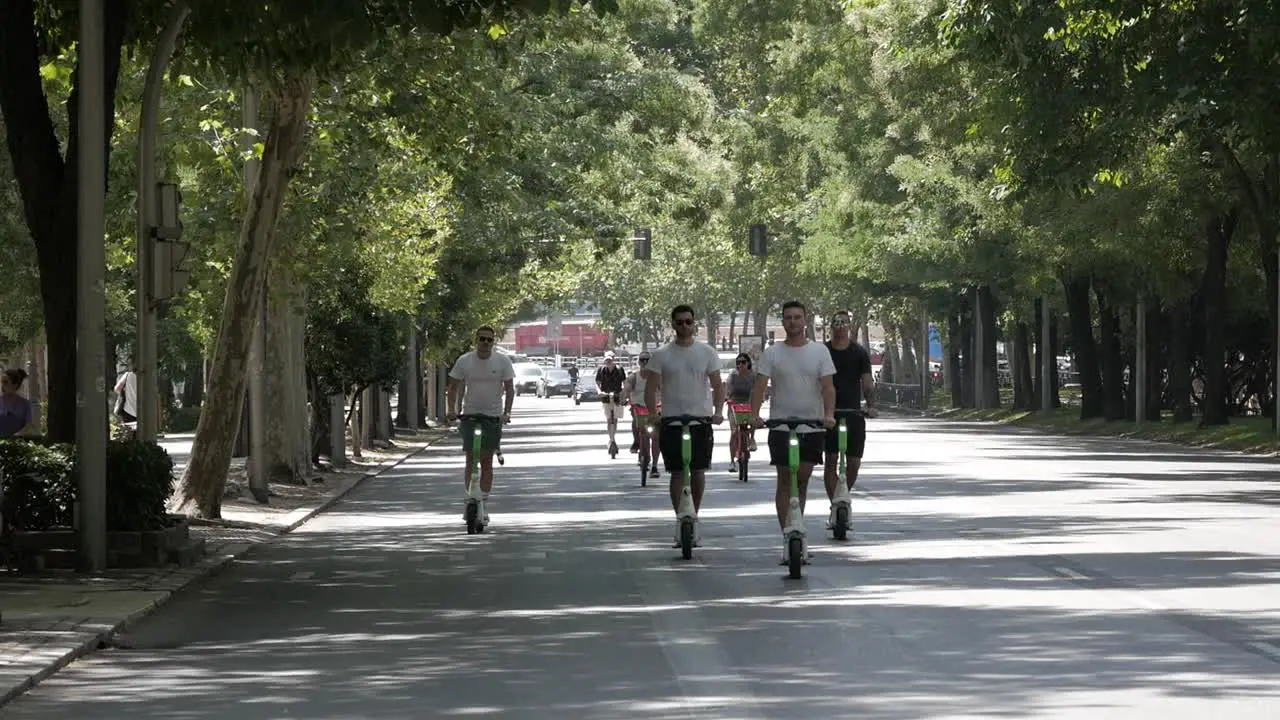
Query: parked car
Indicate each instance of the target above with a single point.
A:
(586, 389)
(555, 381)
(527, 377)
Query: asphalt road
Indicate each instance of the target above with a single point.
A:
(994, 575)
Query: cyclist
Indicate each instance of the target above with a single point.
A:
(800, 371)
(484, 376)
(573, 378)
(853, 382)
(741, 381)
(634, 391)
(682, 370)
(609, 379)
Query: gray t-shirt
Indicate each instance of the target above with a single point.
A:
(483, 380)
(684, 371)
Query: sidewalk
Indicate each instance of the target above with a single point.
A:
(51, 619)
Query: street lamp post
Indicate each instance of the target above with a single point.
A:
(91, 340)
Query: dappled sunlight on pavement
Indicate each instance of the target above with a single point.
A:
(992, 575)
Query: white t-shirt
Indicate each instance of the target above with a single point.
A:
(796, 374)
(483, 380)
(684, 371)
(128, 383)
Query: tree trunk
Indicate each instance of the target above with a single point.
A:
(204, 478)
(1272, 273)
(1023, 397)
(966, 356)
(909, 372)
(1218, 232)
(1151, 413)
(1112, 358)
(49, 183)
(1080, 315)
(953, 374)
(286, 462)
(990, 338)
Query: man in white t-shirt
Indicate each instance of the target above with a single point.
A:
(485, 377)
(800, 372)
(683, 370)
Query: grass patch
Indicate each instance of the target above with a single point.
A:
(1245, 434)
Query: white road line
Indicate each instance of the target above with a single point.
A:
(1068, 572)
(1267, 649)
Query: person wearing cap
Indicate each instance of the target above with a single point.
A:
(634, 389)
(609, 380)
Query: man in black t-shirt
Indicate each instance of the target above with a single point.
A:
(853, 383)
(609, 379)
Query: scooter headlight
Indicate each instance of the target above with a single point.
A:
(793, 441)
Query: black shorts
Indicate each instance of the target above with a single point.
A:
(857, 435)
(669, 445)
(810, 447)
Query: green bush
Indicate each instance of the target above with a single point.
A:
(41, 488)
(182, 420)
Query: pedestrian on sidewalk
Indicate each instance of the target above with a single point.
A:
(15, 410)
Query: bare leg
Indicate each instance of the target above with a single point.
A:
(676, 485)
(486, 472)
(782, 498)
(699, 487)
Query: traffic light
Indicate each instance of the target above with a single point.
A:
(643, 243)
(759, 240)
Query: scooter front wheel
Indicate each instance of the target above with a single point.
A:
(795, 556)
(686, 539)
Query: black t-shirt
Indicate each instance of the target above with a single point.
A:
(610, 381)
(851, 364)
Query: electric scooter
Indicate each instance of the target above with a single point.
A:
(646, 442)
(794, 532)
(474, 513)
(687, 515)
(841, 504)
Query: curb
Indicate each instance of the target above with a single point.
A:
(238, 551)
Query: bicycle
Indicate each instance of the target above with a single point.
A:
(687, 515)
(794, 531)
(741, 426)
(842, 502)
(475, 514)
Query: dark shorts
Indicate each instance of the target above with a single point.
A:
(669, 444)
(491, 433)
(857, 435)
(810, 447)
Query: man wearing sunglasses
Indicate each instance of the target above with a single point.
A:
(484, 376)
(683, 370)
(853, 382)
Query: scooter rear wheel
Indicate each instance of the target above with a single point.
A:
(840, 528)
(742, 466)
(473, 517)
(686, 539)
(795, 556)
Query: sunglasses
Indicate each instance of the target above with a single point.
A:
(840, 323)
(484, 339)
(683, 322)
(644, 360)
(742, 362)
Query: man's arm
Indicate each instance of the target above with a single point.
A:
(451, 394)
(828, 400)
(717, 393)
(869, 389)
(651, 392)
(509, 387)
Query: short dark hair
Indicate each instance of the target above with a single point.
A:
(682, 309)
(843, 312)
(482, 328)
(794, 303)
(16, 376)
